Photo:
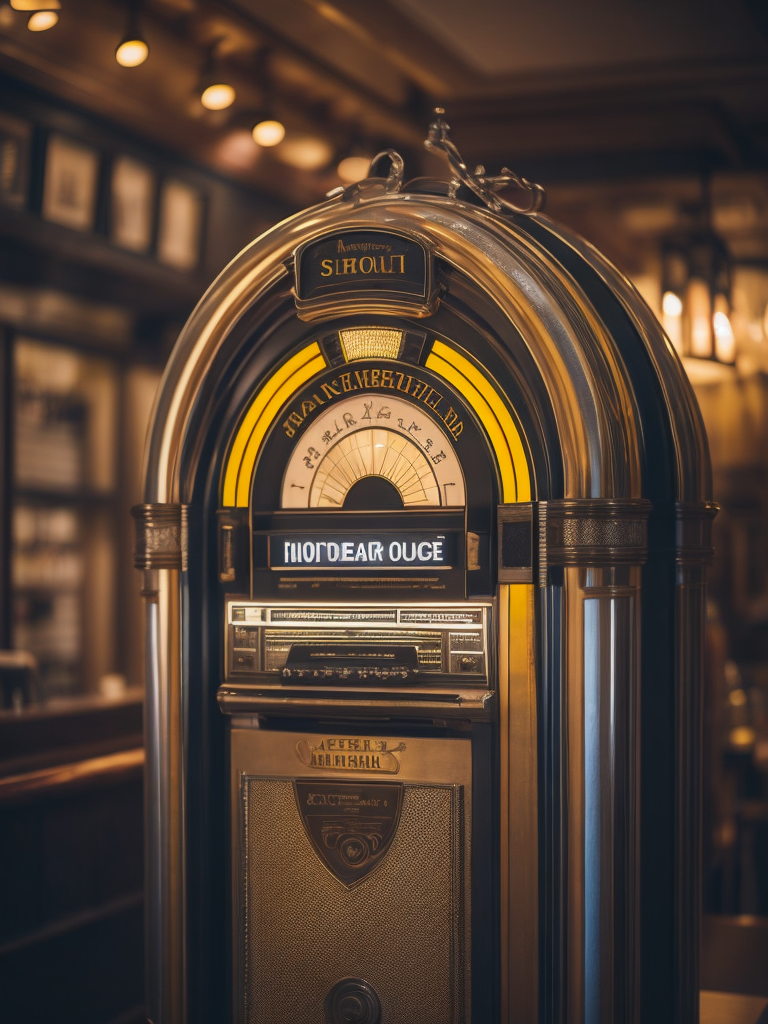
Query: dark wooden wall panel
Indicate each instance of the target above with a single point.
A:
(71, 891)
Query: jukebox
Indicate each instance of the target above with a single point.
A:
(427, 515)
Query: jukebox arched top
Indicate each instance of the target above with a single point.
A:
(556, 315)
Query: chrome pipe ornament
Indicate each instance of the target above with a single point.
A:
(485, 186)
(425, 527)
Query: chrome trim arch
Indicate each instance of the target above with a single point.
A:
(694, 470)
(585, 378)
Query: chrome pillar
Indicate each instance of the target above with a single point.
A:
(161, 552)
(601, 697)
(694, 552)
(600, 545)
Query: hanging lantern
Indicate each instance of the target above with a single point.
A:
(696, 291)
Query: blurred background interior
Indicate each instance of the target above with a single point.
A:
(131, 174)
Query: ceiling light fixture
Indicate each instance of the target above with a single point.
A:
(267, 130)
(41, 21)
(215, 92)
(132, 49)
(217, 96)
(43, 14)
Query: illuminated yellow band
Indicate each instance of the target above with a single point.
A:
(502, 432)
(276, 391)
(443, 360)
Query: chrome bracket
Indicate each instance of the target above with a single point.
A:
(693, 540)
(161, 536)
(394, 182)
(485, 186)
(592, 532)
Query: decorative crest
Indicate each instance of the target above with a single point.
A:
(485, 186)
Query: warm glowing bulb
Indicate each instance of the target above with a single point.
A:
(672, 304)
(131, 52)
(725, 342)
(700, 317)
(353, 168)
(268, 133)
(742, 736)
(40, 21)
(671, 318)
(218, 96)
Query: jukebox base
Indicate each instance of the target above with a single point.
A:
(351, 877)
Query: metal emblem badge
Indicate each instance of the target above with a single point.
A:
(350, 826)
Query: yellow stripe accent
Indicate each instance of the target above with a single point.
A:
(276, 391)
(505, 622)
(518, 803)
(502, 432)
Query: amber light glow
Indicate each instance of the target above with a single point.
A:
(305, 152)
(35, 5)
(218, 96)
(698, 301)
(268, 132)
(672, 310)
(131, 52)
(41, 21)
(725, 341)
(353, 168)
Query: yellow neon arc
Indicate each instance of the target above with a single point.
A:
(277, 390)
(502, 432)
(445, 361)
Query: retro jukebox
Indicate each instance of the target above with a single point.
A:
(427, 515)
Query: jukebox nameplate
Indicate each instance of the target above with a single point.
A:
(350, 270)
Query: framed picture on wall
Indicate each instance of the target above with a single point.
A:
(132, 204)
(15, 139)
(180, 225)
(71, 179)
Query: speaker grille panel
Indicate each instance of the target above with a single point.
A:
(402, 930)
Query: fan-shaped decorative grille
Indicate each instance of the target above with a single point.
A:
(375, 452)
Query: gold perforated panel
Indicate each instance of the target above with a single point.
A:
(370, 343)
(402, 930)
